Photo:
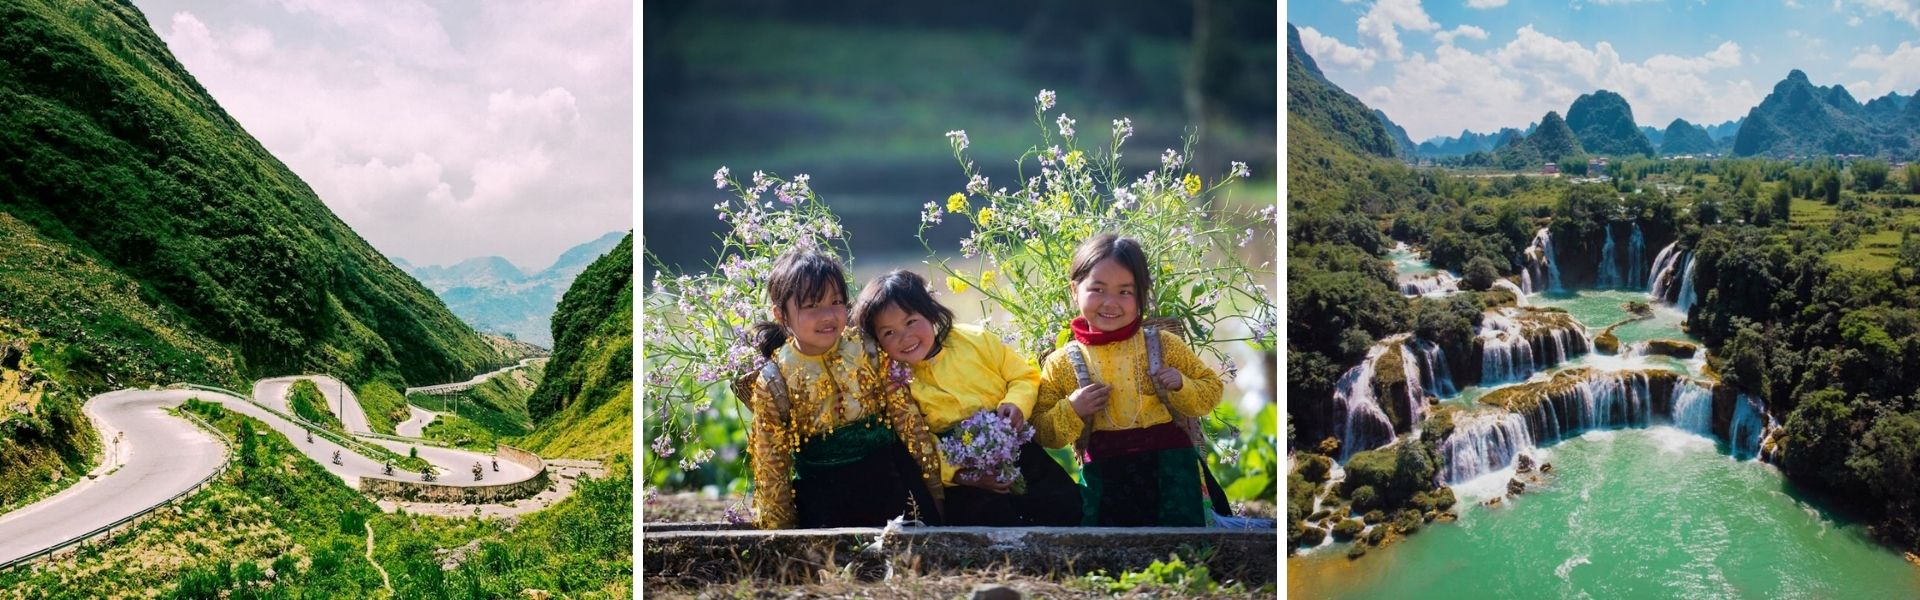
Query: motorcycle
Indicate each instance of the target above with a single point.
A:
(426, 475)
(336, 457)
(387, 469)
(478, 473)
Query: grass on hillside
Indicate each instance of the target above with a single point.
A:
(385, 407)
(494, 411)
(306, 401)
(282, 512)
(46, 442)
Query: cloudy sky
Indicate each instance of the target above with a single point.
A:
(439, 130)
(1440, 66)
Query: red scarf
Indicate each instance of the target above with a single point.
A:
(1087, 335)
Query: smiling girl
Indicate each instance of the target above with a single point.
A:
(1140, 467)
(960, 370)
(834, 444)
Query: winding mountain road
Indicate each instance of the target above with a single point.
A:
(153, 456)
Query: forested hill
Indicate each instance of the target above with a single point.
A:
(112, 154)
(1801, 119)
(1324, 113)
(584, 405)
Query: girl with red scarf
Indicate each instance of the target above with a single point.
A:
(1101, 394)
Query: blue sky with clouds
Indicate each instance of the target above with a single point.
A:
(1439, 66)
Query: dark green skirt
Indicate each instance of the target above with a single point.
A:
(859, 475)
(1157, 488)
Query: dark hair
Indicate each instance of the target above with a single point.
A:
(908, 291)
(1126, 251)
(799, 276)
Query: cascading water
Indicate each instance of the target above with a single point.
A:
(1636, 268)
(1482, 444)
(1439, 283)
(1663, 264)
(1418, 386)
(1685, 299)
(1747, 428)
(1360, 425)
(1435, 377)
(1693, 407)
(1505, 353)
(1541, 260)
(1608, 271)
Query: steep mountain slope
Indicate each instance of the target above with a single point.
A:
(492, 295)
(1332, 112)
(1682, 137)
(1553, 141)
(111, 150)
(1604, 123)
(1799, 118)
(1402, 145)
(584, 405)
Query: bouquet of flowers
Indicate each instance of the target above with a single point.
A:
(988, 442)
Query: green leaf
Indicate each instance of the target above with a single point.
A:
(1248, 488)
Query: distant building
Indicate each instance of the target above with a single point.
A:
(1550, 169)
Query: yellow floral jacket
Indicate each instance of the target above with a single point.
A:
(1131, 403)
(824, 392)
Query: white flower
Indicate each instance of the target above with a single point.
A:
(1240, 170)
(977, 186)
(1066, 125)
(1171, 160)
(720, 179)
(1045, 99)
(958, 139)
(1122, 129)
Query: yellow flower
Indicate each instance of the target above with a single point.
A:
(966, 438)
(986, 278)
(957, 203)
(1075, 160)
(1192, 183)
(986, 216)
(1065, 201)
(956, 284)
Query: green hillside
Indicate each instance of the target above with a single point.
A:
(1552, 142)
(1682, 137)
(1603, 121)
(111, 152)
(584, 405)
(1801, 119)
(279, 512)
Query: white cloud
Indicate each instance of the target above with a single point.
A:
(1906, 11)
(1382, 24)
(438, 134)
(1534, 73)
(1896, 71)
(1793, 4)
(1486, 3)
(1330, 54)
(1853, 21)
(1466, 31)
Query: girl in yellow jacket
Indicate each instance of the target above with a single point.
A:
(958, 371)
(1140, 465)
(833, 444)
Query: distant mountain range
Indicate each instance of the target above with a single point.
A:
(1796, 119)
(1801, 119)
(493, 295)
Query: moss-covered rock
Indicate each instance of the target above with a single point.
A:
(1346, 529)
(1673, 348)
(1314, 468)
(1606, 342)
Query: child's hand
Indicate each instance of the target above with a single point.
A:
(1012, 414)
(980, 479)
(1089, 400)
(1169, 379)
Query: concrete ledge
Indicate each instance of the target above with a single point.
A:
(701, 552)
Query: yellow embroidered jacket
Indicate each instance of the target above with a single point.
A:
(1131, 403)
(973, 371)
(824, 392)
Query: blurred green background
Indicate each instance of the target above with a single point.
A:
(860, 95)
